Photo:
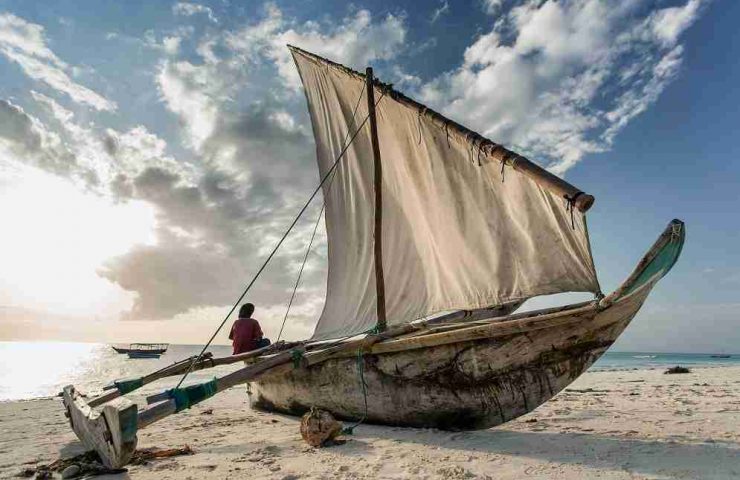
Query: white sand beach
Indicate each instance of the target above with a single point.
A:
(633, 424)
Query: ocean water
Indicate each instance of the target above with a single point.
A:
(42, 369)
(648, 360)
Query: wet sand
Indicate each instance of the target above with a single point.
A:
(611, 425)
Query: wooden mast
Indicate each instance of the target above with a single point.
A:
(378, 168)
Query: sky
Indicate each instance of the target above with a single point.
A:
(152, 153)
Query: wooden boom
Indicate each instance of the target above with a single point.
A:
(491, 150)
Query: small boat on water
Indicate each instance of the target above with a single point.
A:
(429, 258)
(143, 350)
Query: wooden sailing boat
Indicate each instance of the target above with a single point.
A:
(448, 222)
(143, 350)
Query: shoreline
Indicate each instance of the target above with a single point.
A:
(617, 424)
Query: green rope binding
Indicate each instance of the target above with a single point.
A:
(297, 356)
(128, 385)
(361, 377)
(189, 396)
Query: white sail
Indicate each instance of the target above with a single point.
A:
(457, 233)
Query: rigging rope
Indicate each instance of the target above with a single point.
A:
(349, 430)
(300, 272)
(280, 242)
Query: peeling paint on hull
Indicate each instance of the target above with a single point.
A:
(470, 384)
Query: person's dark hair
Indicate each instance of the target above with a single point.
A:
(246, 311)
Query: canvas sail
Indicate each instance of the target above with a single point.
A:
(458, 233)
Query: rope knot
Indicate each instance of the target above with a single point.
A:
(297, 356)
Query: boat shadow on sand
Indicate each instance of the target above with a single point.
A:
(599, 451)
(591, 450)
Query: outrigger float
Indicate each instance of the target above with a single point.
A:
(442, 227)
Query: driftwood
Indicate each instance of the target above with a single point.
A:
(318, 427)
(677, 369)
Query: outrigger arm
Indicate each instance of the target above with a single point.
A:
(111, 432)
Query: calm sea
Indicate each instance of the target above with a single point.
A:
(41, 369)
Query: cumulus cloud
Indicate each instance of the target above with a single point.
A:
(668, 24)
(558, 80)
(355, 41)
(211, 237)
(25, 44)
(105, 153)
(194, 93)
(189, 9)
(25, 139)
(443, 9)
(492, 6)
(220, 224)
(171, 44)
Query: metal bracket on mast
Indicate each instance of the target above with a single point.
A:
(378, 233)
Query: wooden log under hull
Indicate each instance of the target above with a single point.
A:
(471, 384)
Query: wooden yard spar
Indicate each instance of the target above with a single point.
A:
(475, 367)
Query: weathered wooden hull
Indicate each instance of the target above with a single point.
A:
(129, 351)
(136, 355)
(477, 376)
(464, 385)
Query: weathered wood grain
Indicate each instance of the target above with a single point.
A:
(111, 432)
(487, 377)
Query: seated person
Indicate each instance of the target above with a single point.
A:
(246, 333)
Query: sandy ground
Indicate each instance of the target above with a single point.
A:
(610, 425)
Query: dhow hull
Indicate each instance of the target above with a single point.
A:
(469, 384)
(479, 375)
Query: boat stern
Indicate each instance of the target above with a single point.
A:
(111, 432)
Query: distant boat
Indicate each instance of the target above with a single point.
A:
(721, 356)
(143, 350)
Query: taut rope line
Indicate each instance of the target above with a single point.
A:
(279, 243)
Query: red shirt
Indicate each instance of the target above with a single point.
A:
(245, 332)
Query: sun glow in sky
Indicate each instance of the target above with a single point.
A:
(152, 152)
(56, 236)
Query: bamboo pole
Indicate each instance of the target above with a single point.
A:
(174, 369)
(167, 407)
(178, 368)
